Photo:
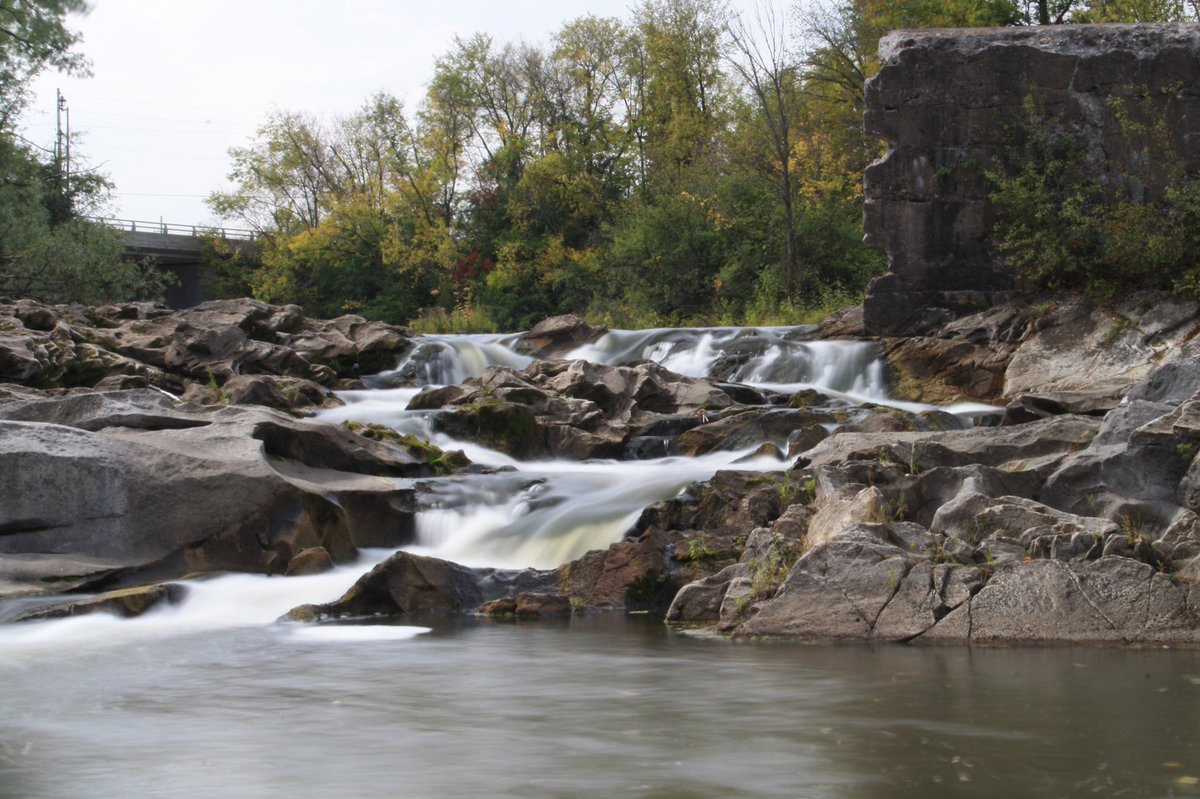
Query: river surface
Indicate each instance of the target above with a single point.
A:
(603, 706)
(212, 698)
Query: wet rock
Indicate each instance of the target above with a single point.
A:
(571, 409)
(312, 560)
(126, 603)
(630, 574)
(557, 336)
(407, 584)
(527, 606)
(800, 429)
(729, 505)
(403, 584)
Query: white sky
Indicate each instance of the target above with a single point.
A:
(176, 83)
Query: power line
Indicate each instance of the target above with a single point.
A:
(95, 146)
(169, 130)
(152, 194)
(168, 105)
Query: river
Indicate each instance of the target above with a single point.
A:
(213, 699)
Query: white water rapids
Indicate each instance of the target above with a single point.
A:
(537, 514)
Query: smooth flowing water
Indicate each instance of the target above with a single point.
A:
(211, 698)
(597, 707)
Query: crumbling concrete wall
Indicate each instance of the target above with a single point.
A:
(951, 104)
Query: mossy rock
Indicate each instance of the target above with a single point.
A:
(508, 427)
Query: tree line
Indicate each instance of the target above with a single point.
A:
(679, 165)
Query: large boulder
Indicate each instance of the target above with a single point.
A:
(136, 482)
(557, 336)
(407, 584)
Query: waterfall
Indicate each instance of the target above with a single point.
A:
(519, 514)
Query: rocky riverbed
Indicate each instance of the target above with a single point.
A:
(140, 448)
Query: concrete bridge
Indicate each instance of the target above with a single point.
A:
(177, 248)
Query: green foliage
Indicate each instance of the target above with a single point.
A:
(47, 251)
(33, 38)
(78, 261)
(228, 268)
(462, 319)
(1063, 225)
(602, 176)
(666, 257)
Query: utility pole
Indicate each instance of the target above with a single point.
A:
(62, 147)
(63, 142)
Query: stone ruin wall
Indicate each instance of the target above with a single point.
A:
(947, 102)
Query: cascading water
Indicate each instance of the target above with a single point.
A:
(551, 512)
(537, 514)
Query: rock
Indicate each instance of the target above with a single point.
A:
(572, 409)
(728, 506)
(1031, 407)
(1136, 469)
(1012, 448)
(630, 574)
(701, 601)
(137, 491)
(285, 393)
(800, 429)
(943, 370)
(927, 199)
(557, 336)
(312, 560)
(929, 592)
(126, 603)
(1112, 600)
(407, 584)
(527, 606)
(139, 345)
(835, 591)
(1079, 347)
(846, 323)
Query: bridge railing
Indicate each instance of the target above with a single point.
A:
(173, 229)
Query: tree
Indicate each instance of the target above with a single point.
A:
(285, 179)
(684, 91)
(47, 251)
(762, 61)
(33, 38)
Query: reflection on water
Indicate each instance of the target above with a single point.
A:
(598, 707)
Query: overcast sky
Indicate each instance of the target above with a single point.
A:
(176, 83)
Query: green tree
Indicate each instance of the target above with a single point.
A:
(33, 38)
(684, 90)
(47, 251)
